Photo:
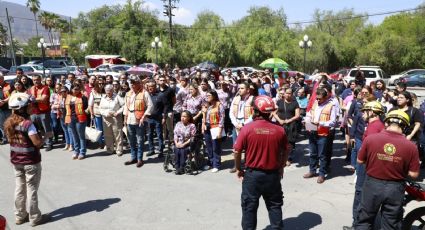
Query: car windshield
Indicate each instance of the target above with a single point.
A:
(367, 73)
(37, 67)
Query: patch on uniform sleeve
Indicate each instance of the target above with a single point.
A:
(389, 149)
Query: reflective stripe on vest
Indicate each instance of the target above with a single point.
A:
(325, 115)
(248, 108)
(214, 116)
(139, 104)
(21, 149)
(79, 109)
(42, 106)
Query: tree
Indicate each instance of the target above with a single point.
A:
(34, 6)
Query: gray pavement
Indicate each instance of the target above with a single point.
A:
(101, 193)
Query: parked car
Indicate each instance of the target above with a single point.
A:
(415, 80)
(56, 63)
(110, 69)
(343, 71)
(371, 73)
(396, 78)
(35, 68)
(3, 70)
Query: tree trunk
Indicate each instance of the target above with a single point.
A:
(36, 26)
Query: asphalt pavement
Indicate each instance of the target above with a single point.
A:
(99, 192)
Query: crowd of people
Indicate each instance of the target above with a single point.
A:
(176, 106)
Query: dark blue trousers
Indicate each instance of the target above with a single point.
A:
(385, 195)
(213, 150)
(266, 184)
(318, 153)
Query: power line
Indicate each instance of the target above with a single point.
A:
(239, 27)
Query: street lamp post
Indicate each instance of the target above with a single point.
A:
(305, 44)
(42, 45)
(156, 44)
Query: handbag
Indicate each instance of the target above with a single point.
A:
(92, 133)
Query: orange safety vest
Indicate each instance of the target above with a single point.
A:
(139, 104)
(215, 116)
(79, 109)
(42, 106)
(325, 115)
(248, 108)
(6, 90)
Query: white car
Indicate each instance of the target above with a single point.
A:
(396, 78)
(372, 74)
(114, 70)
(35, 68)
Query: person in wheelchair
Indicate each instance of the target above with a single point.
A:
(184, 134)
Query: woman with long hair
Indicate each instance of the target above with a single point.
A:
(287, 115)
(76, 120)
(19, 88)
(213, 127)
(59, 104)
(25, 144)
(54, 99)
(184, 134)
(94, 100)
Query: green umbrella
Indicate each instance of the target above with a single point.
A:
(274, 63)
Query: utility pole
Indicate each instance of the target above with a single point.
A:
(11, 39)
(168, 11)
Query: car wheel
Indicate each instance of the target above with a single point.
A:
(396, 81)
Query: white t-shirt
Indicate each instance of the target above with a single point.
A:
(32, 130)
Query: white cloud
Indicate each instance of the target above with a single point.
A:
(183, 16)
(149, 6)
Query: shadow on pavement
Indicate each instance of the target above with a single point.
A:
(83, 208)
(304, 221)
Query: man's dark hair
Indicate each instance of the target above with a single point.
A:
(402, 85)
(321, 92)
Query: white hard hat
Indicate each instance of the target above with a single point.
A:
(18, 100)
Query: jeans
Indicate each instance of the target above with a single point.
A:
(136, 135)
(4, 114)
(213, 150)
(55, 123)
(78, 131)
(155, 126)
(318, 153)
(355, 151)
(42, 123)
(266, 184)
(66, 132)
(99, 126)
(361, 176)
(386, 196)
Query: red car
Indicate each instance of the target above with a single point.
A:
(343, 71)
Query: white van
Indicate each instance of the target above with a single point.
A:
(371, 73)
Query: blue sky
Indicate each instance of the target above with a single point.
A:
(231, 10)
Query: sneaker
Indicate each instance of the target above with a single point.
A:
(44, 219)
(119, 154)
(49, 148)
(206, 167)
(81, 157)
(233, 170)
(19, 222)
(75, 157)
(214, 170)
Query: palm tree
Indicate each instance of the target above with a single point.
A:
(34, 6)
(47, 22)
